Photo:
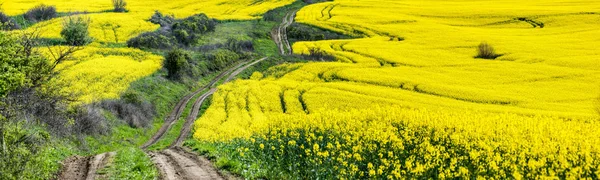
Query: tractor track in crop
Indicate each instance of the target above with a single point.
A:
(279, 34)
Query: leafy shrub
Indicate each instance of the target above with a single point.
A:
(174, 33)
(7, 23)
(239, 46)
(271, 15)
(19, 69)
(220, 58)
(119, 5)
(75, 31)
(486, 51)
(132, 109)
(41, 12)
(188, 30)
(175, 63)
(19, 146)
(302, 32)
(318, 54)
(162, 20)
(90, 121)
(152, 40)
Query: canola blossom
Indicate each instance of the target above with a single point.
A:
(409, 99)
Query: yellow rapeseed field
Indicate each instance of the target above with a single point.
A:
(220, 9)
(408, 98)
(103, 73)
(98, 72)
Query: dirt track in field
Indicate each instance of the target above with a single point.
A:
(84, 168)
(279, 34)
(180, 107)
(176, 162)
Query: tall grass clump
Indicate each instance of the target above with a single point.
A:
(486, 51)
(75, 31)
(41, 12)
(119, 5)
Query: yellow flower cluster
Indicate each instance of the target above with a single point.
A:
(394, 142)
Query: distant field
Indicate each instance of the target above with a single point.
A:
(409, 99)
(105, 69)
(220, 9)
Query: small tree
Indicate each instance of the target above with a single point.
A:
(175, 63)
(119, 5)
(486, 51)
(75, 31)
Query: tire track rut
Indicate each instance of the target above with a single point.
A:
(84, 168)
(176, 162)
(180, 107)
(279, 34)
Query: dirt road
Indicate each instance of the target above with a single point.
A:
(180, 107)
(84, 168)
(279, 34)
(176, 162)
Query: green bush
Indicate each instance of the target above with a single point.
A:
(188, 30)
(75, 31)
(486, 51)
(19, 70)
(318, 54)
(302, 32)
(7, 23)
(239, 46)
(175, 33)
(41, 12)
(119, 5)
(152, 40)
(19, 147)
(220, 59)
(176, 62)
(162, 20)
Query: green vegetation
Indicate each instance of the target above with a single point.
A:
(7, 23)
(175, 62)
(75, 31)
(41, 12)
(131, 163)
(174, 33)
(119, 5)
(31, 117)
(302, 32)
(486, 51)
